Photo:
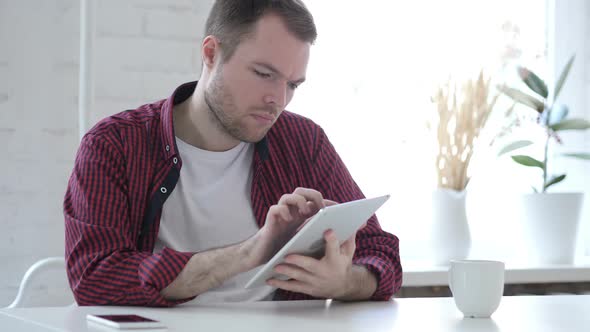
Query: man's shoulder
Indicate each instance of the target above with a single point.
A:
(298, 135)
(291, 125)
(143, 117)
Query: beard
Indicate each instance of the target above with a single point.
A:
(223, 111)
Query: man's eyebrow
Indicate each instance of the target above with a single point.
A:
(276, 71)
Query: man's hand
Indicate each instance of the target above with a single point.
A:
(283, 220)
(334, 276)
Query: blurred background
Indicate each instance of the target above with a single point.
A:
(371, 78)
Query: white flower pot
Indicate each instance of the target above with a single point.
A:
(551, 222)
(449, 231)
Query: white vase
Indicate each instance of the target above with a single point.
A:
(449, 231)
(551, 222)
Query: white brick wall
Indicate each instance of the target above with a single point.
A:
(38, 84)
(143, 50)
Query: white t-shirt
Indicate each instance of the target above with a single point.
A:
(210, 207)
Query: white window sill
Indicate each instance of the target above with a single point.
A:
(417, 274)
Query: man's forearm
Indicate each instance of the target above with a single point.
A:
(209, 269)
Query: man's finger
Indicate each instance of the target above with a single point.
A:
(279, 212)
(311, 195)
(295, 200)
(328, 202)
(274, 213)
(349, 246)
(332, 245)
(290, 285)
(309, 264)
(294, 272)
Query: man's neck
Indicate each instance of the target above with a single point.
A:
(194, 125)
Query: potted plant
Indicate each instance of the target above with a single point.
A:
(551, 219)
(460, 116)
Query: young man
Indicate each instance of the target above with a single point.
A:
(181, 200)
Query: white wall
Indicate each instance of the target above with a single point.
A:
(570, 36)
(586, 92)
(143, 50)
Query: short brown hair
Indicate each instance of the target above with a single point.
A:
(231, 21)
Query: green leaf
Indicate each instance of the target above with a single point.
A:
(513, 146)
(562, 77)
(554, 180)
(571, 124)
(523, 98)
(528, 161)
(584, 156)
(533, 82)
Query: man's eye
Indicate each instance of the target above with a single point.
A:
(293, 86)
(261, 74)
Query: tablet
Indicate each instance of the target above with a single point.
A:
(344, 219)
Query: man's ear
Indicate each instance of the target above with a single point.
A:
(210, 51)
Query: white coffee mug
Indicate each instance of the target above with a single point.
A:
(477, 286)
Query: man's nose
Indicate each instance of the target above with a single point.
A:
(278, 96)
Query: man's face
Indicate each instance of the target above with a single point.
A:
(248, 93)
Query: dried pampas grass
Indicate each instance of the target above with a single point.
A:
(461, 117)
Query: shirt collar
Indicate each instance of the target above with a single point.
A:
(181, 94)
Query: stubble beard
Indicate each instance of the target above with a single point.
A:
(219, 102)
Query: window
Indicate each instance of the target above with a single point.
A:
(371, 76)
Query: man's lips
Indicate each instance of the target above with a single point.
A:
(265, 117)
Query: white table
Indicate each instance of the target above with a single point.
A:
(520, 313)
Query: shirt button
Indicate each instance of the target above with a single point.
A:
(163, 190)
(175, 160)
(167, 147)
